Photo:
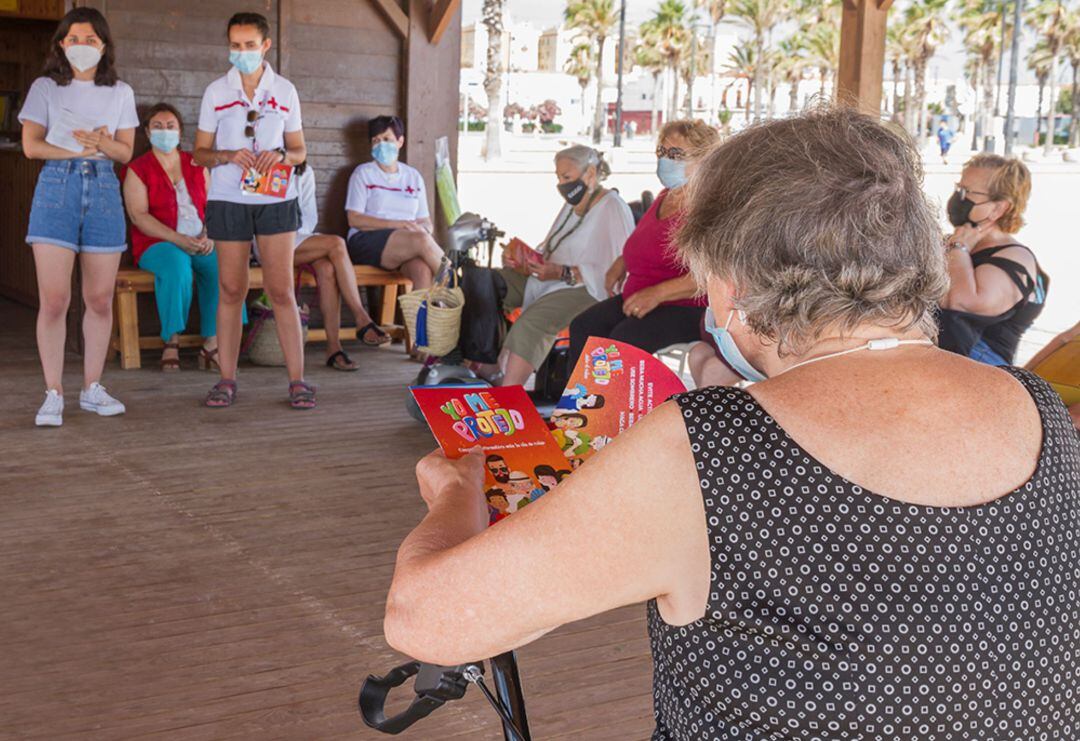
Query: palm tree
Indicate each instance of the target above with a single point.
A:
(580, 66)
(492, 18)
(1071, 49)
(671, 34)
(761, 16)
(981, 22)
(742, 62)
(595, 19)
(925, 25)
(1039, 63)
(792, 66)
(1048, 20)
(823, 43)
(896, 53)
(647, 56)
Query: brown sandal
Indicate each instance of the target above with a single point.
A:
(170, 365)
(208, 359)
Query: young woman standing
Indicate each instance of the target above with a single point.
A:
(250, 118)
(80, 119)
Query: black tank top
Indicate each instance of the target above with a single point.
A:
(960, 330)
(835, 613)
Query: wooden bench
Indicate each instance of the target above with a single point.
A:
(130, 282)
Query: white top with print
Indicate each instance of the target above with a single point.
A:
(398, 196)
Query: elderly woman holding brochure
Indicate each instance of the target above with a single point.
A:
(860, 525)
(81, 120)
(565, 276)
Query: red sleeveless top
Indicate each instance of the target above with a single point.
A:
(161, 194)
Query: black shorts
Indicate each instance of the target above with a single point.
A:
(366, 248)
(241, 222)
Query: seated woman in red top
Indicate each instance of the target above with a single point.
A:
(165, 197)
(654, 301)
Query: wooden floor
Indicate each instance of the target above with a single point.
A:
(184, 573)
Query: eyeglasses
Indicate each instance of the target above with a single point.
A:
(252, 117)
(674, 153)
(964, 192)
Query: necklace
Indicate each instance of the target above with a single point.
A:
(549, 249)
(883, 343)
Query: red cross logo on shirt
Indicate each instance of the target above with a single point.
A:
(410, 190)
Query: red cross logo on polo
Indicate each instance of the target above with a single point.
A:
(410, 190)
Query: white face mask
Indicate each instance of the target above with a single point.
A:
(83, 56)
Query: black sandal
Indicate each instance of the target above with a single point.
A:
(301, 395)
(383, 337)
(347, 363)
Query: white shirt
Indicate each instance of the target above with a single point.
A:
(188, 222)
(590, 244)
(398, 196)
(309, 205)
(78, 105)
(224, 113)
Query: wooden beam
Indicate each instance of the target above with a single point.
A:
(862, 54)
(398, 18)
(440, 18)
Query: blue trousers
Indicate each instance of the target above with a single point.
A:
(175, 274)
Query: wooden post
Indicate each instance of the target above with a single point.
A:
(862, 54)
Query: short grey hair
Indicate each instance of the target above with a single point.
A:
(819, 221)
(583, 156)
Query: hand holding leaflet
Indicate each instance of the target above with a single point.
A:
(62, 131)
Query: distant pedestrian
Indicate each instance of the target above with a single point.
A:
(945, 136)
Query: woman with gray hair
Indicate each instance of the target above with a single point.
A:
(584, 240)
(875, 540)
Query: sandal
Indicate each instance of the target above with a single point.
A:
(170, 365)
(222, 395)
(301, 395)
(346, 363)
(208, 359)
(382, 337)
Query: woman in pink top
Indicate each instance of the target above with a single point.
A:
(653, 300)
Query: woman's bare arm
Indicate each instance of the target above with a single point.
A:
(628, 526)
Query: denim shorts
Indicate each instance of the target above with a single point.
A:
(77, 205)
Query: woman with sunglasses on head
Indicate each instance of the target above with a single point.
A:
(80, 119)
(997, 289)
(654, 301)
(250, 120)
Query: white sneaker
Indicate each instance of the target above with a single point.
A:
(51, 413)
(97, 399)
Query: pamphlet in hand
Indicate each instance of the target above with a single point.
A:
(274, 183)
(522, 460)
(612, 386)
(61, 131)
(519, 254)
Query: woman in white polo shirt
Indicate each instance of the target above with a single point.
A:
(389, 223)
(80, 119)
(250, 119)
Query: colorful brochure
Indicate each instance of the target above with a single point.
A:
(522, 460)
(274, 183)
(612, 386)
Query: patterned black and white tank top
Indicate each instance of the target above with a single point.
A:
(835, 613)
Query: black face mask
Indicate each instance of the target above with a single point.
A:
(960, 210)
(573, 191)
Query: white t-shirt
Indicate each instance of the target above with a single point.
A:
(224, 113)
(187, 216)
(590, 244)
(398, 196)
(79, 104)
(309, 204)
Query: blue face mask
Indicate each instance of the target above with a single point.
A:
(246, 61)
(672, 173)
(165, 139)
(385, 153)
(729, 351)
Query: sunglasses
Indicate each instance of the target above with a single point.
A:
(674, 153)
(249, 130)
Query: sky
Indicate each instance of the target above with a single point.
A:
(545, 13)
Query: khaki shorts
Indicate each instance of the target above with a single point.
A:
(533, 334)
